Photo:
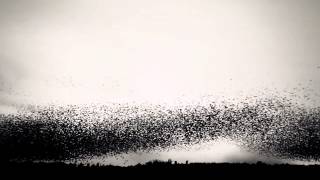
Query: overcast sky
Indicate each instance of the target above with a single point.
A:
(81, 51)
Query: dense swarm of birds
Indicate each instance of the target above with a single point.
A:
(273, 126)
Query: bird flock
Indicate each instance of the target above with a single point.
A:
(275, 126)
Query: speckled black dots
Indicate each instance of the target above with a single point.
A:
(274, 126)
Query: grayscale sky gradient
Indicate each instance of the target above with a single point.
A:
(81, 51)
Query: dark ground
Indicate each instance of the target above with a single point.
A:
(158, 169)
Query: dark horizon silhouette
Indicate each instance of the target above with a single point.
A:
(159, 169)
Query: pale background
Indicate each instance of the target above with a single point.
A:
(84, 51)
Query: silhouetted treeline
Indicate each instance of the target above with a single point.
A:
(159, 169)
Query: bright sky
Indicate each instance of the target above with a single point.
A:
(81, 51)
(218, 151)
